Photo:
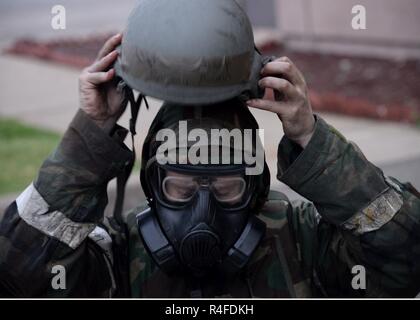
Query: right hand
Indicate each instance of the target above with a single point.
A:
(99, 97)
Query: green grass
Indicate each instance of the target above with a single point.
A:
(22, 151)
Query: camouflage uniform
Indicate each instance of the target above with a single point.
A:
(357, 217)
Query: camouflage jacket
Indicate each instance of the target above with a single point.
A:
(357, 220)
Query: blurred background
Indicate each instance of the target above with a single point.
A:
(366, 83)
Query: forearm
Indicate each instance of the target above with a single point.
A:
(73, 179)
(331, 172)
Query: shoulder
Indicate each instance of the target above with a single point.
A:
(276, 264)
(294, 222)
(141, 266)
(276, 210)
(279, 210)
(130, 216)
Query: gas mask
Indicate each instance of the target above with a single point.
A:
(200, 218)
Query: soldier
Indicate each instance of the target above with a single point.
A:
(210, 230)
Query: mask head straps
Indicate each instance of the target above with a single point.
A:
(117, 221)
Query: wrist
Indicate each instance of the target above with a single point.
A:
(106, 124)
(304, 139)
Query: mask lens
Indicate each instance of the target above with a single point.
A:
(228, 190)
(179, 189)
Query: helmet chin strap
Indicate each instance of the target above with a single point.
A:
(117, 221)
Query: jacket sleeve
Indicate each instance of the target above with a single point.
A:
(48, 228)
(359, 219)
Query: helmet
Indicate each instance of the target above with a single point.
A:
(190, 52)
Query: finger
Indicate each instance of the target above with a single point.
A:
(99, 77)
(288, 60)
(283, 69)
(109, 45)
(267, 105)
(104, 63)
(281, 85)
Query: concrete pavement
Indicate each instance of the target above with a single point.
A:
(28, 18)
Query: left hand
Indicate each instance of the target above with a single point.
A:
(291, 103)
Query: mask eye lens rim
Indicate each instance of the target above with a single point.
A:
(238, 196)
(171, 198)
(170, 202)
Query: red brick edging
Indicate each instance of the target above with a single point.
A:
(331, 102)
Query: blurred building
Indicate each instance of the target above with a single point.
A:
(393, 27)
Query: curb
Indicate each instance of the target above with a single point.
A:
(48, 50)
(363, 108)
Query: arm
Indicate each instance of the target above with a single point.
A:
(49, 223)
(368, 219)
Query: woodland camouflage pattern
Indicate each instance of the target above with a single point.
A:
(309, 248)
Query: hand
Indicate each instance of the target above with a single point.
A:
(291, 103)
(99, 97)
